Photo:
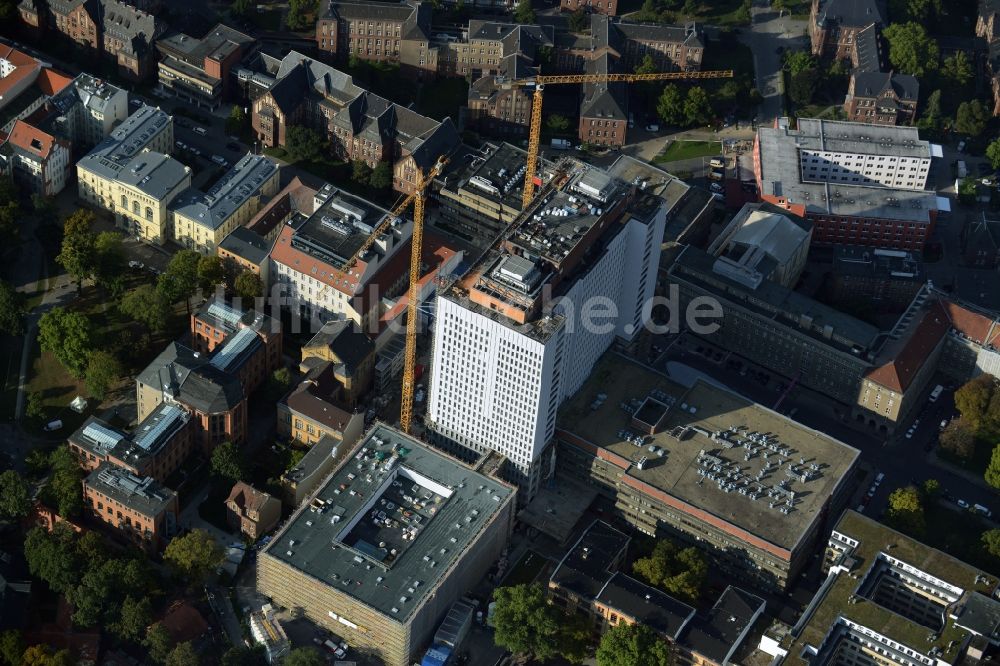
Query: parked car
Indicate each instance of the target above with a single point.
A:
(962, 503)
(200, 130)
(715, 187)
(653, 127)
(961, 146)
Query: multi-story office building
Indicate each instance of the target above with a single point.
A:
(858, 183)
(888, 279)
(383, 550)
(143, 511)
(316, 408)
(39, 161)
(509, 340)
(199, 70)
(112, 29)
(214, 397)
(201, 220)
(216, 324)
(378, 31)
(132, 175)
(86, 111)
(307, 259)
(360, 125)
(707, 467)
(835, 24)
(157, 447)
(244, 250)
(891, 599)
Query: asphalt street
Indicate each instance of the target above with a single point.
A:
(769, 32)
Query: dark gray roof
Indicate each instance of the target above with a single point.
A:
(874, 84)
(603, 100)
(130, 24)
(689, 34)
(980, 614)
(144, 495)
(345, 339)
(217, 44)
(243, 181)
(717, 635)
(246, 244)
(852, 13)
(657, 610)
(587, 566)
(868, 44)
(191, 380)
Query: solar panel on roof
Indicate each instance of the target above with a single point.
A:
(168, 416)
(105, 437)
(233, 348)
(225, 313)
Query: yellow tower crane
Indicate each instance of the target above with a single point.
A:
(539, 82)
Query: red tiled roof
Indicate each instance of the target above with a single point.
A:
(24, 66)
(30, 138)
(297, 260)
(247, 497)
(978, 328)
(51, 82)
(897, 374)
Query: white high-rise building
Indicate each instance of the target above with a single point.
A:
(510, 337)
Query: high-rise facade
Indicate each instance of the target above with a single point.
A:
(522, 329)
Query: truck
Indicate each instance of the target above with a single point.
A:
(450, 635)
(561, 144)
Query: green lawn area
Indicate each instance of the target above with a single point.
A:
(958, 533)
(688, 150)
(526, 569)
(443, 97)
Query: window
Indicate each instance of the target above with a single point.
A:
(149, 213)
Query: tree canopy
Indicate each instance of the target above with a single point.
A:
(993, 153)
(971, 118)
(15, 499)
(103, 372)
(303, 656)
(911, 49)
(63, 491)
(523, 13)
(227, 462)
(12, 309)
(146, 305)
(632, 645)
(992, 474)
(958, 438)
(906, 510)
(697, 109)
(526, 623)
(78, 254)
(193, 556)
(180, 281)
(681, 572)
(248, 286)
(381, 176)
(67, 335)
(670, 105)
(303, 143)
(183, 654)
(579, 21)
(991, 542)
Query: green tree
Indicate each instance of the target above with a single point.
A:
(244, 656)
(525, 623)
(193, 556)
(632, 645)
(681, 572)
(913, 10)
(183, 654)
(930, 119)
(670, 106)
(248, 286)
(557, 123)
(240, 8)
(971, 118)
(911, 49)
(42, 655)
(109, 260)
(299, 11)
(103, 372)
(906, 511)
(146, 305)
(361, 173)
(381, 176)
(52, 556)
(303, 143)
(990, 541)
(66, 335)
(579, 21)
(63, 491)
(802, 87)
(303, 656)
(15, 499)
(12, 309)
(523, 13)
(957, 70)
(227, 462)
(992, 474)
(237, 119)
(973, 399)
(279, 383)
(34, 408)
(647, 66)
(78, 254)
(993, 153)
(697, 109)
(9, 214)
(44, 207)
(799, 61)
(180, 280)
(11, 647)
(931, 488)
(211, 272)
(158, 642)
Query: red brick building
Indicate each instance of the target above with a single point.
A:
(834, 25)
(141, 510)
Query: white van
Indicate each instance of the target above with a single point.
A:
(53, 425)
(200, 130)
(936, 393)
(717, 162)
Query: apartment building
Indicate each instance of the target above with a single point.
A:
(85, 112)
(141, 510)
(307, 260)
(316, 408)
(759, 524)
(112, 29)
(359, 124)
(157, 446)
(214, 397)
(506, 353)
(888, 597)
(199, 70)
(251, 512)
(882, 98)
(834, 25)
(201, 220)
(350, 350)
(131, 174)
(243, 250)
(39, 162)
(389, 578)
(858, 183)
(26, 84)
(378, 31)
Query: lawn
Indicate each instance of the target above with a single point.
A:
(443, 97)
(526, 569)
(688, 150)
(958, 534)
